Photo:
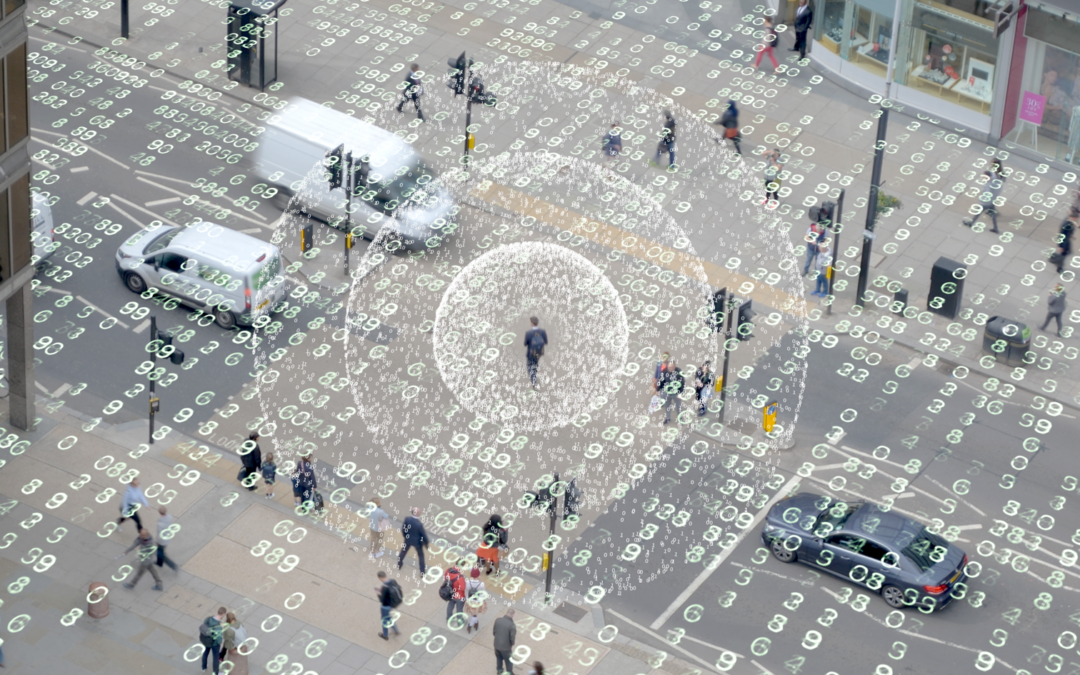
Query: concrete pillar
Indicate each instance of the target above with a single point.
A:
(20, 335)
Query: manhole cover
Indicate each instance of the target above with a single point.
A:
(572, 612)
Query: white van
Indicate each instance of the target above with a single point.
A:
(304, 132)
(42, 234)
(232, 276)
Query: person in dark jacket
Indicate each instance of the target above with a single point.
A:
(995, 181)
(612, 144)
(535, 340)
(303, 480)
(252, 460)
(1065, 235)
(495, 536)
(1055, 308)
(671, 385)
(667, 141)
(730, 122)
(386, 604)
(210, 635)
(804, 19)
(505, 631)
(413, 90)
(412, 530)
(147, 555)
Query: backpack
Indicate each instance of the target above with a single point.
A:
(316, 501)
(536, 344)
(209, 632)
(446, 591)
(396, 596)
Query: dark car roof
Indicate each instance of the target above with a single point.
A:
(884, 526)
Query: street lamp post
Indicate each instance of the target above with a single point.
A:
(871, 207)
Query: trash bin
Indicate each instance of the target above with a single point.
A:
(1016, 337)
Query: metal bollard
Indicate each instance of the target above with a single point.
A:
(98, 600)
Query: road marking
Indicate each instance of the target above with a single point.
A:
(100, 310)
(86, 198)
(892, 477)
(79, 169)
(958, 497)
(125, 213)
(911, 515)
(708, 665)
(707, 572)
(906, 495)
(91, 149)
(142, 326)
(876, 459)
(41, 387)
(158, 175)
(976, 526)
(838, 438)
(158, 202)
(761, 667)
(60, 390)
(136, 206)
(804, 582)
(184, 194)
(251, 230)
(51, 42)
(915, 362)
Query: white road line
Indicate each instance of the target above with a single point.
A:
(142, 326)
(79, 169)
(42, 387)
(911, 515)
(60, 390)
(64, 45)
(88, 147)
(976, 526)
(906, 495)
(184, 194)
(251, 230)
(958, 497)
(761, 667)
(125, 214)
(100, 310)
(867, 454)
(158, 175)
(803, 582)
(707, 572)
(915, 362)
(158, 202)
(892, 477)
(136, 206)
(87, 197)
(840, 437)
(873, 618)
(708, 665)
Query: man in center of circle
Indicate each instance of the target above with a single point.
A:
(535, 340)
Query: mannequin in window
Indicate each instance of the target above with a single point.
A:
(1055, 100)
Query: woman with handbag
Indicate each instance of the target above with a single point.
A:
(1064, 239)
(730, 121)
(768, 45)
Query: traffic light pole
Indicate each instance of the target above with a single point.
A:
(871, 207)
(468, 121)
(124, 21)
(553, 510)
(350, 182)
(153, 366)
(727, 355)
(836, 249)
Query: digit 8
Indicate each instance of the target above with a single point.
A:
(18, 585)
(582, 558)
(277, 664)
(70, 618)
(31, 487)
(129, 476)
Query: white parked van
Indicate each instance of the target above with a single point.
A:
(399, 186)
(235, 277)
(42, 235)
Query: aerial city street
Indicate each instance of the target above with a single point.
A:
(552, 337)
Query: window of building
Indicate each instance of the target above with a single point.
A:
(950, 53)
(859, 32)
(18, 123)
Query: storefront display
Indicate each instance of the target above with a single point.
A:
(868, 40)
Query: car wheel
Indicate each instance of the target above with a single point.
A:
(893, 596)
(226, 320)
(134, 282)
(782, 553)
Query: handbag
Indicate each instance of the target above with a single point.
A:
(656, 403)
(242, 475)
(1056, 258)
(731, 132)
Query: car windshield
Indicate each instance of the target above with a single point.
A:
(834, 517)
(918, 547)
(161, 241)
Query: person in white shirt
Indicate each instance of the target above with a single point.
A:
(133, 498)
(475, 600)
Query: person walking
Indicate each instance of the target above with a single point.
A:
(454, 585)
(804, 19)
(147, 554)
(768, 45)
(134, 499)
(824, 259)
(269, 474)
(495, 535)
(730, 122)
(390, 596)
(505, 631)
(703, 386)
(252, 460)
(537, 668)
(814, 235)
(1055, 308)
(612, 144)
(304, 482)
(413, 90)
(380, 523)
(1064, 239)
(535, 340)
(661, 366)
(210, 636)
(475, 599)
(771, 173)
(164, 522)
(671, 385)
(415, 536)
(995, 180)
(667, 140)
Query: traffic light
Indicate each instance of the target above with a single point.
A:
(335, 164)
(573, 500)
(477, 92)
(457, 76)
(719, 311)
(745, 325)
(175, 355)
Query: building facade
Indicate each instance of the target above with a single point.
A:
(1001, 71)
(16, 248)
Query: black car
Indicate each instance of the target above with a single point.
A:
(869, 544)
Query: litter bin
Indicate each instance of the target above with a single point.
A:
(1007, 340)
